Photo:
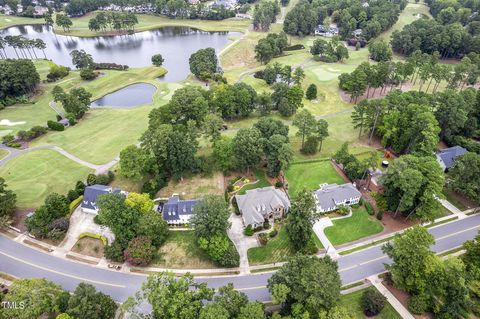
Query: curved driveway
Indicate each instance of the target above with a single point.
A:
(25, 262)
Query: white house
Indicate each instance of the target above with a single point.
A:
(330, 196)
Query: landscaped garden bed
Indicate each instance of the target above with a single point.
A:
(353, 302)
(89, 246)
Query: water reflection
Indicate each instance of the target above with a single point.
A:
(176, 44)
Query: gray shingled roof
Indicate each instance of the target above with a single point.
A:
(259, 202)
(175, 207)
(447, 156)
(331, 194)
(92, 192)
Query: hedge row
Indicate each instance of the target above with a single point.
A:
(75, 203)
(96, 236)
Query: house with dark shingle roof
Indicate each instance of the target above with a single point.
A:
(330, 196)
(176, 211)
(261, 204)
(446, 157)
(89, 202)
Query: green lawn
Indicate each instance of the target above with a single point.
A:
(262, 182)
(181, 251)
(277, 249)
(310, 176)
(353, 302)
(7, 21)
(34, 175)
(452, 199)
(3, 153)
(359, 225)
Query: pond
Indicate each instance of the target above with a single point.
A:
(175, 44)
(127, 97)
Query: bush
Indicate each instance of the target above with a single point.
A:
(236, 210)
(57, 72)
(311, 247)
(343, 210)
(80, 187)
(258, 228)
(140, 251)
(88, 74)
(369, 208)
(15, 145)
(7, 139)
(311, 93)
(380, 201)
(294, 47)
(60, 224)
(72, 195)
(263, 238)
(278, 184)
(110, 66)
(418, 304)
(372, 301)
(248, 230)
(157, 60)
(73, 205)
(55, 126)
(355, 206)
(259, 74)
(231, 258)
(311, 146)
(114, 252)
(273, 233)
(266, 225)
(380, 215)
(91, 179)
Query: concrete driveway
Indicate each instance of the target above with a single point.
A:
(241, 242)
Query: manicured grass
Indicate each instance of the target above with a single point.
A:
(262, 182)
(196, 186)
(34, 175)
(353, 302)
(359, 225)
(3, 153)
(7, 21)
(453, 200)
(149, 22)
(310, 176)
(276, 250)
(181, 251)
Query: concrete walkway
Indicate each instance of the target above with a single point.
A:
(99, 169)
(402, 311)
(318, 228)
(454, 210)
(242, 243)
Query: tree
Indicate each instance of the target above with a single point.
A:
(152, 226)
(181, 154)
(211, 217)
(8, 200)
(203, 63)
(157, 60)
(212, 126)
(265, 14)
(471, 258)
(171, 297)
(81, 59)
(231, 300)
(269, 127)
(412, 185)
(305, 122)
(411, 256)
(55, 206)
(188, 104)
(451, 113)
(63, 21)
(270, 47)
(133, 162)
(252, 310)
(321, 132)
(223, 153)
(313, 283)
(39, 296)
(86, 302)
(311, 93)
(247, 148)
(141, 202)
(300, 220)
(372, 301)
(140, 251)
(213, 311)
(380, 51)
(464, 176)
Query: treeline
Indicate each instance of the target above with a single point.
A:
(373, 18)
(114, 20)
(265, 14)
(422, 68)
(19, 78)
(25, 46)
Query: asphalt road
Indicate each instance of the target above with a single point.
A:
(25, 262)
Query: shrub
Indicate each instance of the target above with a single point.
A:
(91, 179)
(80, 187)
(88, 74)
(236, 210)
(369, 208)
(263, 238)
(259, 74)
(55, 126)
(37, 131)
(102, 179)
(110, 66)
(311, 247)
(311, 146)
(114, 252)
(231, 258)
(73, 205)
(258, 228)
(266, 225)
(248, 230)
(343, 210)
(140, 251)
(355, 206)
(15, 145)
(57, 72)
(7, 139)
(60, 224)
(72, 195)
(372, 302)
(278, 184)
(418, 304)
(93, 235)
(273, 233)
(311, 93)
(294, 47)
(380, 215)
(221, 250)
(380, 201)
(157, 60)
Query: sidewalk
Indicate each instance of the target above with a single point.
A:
(402, 311)
(318, 228)
(454, 210)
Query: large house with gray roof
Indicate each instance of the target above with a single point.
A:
(446, 157)
(262, 204)
(330, 196)
(89, 201)
(176, 211)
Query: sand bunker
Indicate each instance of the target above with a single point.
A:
(9, 123)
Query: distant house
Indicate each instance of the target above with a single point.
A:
(357, 32)
(330, 196)
(91, 193)
(326, 31)
(176, 211)
(65, 122)
(262, 204)
(446, 157)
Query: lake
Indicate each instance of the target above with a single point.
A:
(175, 44)
(127, 97)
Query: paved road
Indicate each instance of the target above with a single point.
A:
(25, 262)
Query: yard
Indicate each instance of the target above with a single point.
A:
(310, 175)
(261, 182)
(359, 225)
(3, 153)
(89, 246)
(353, 302)
(181, 251)
(196, 186)
(277, 249)
(34, 175)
